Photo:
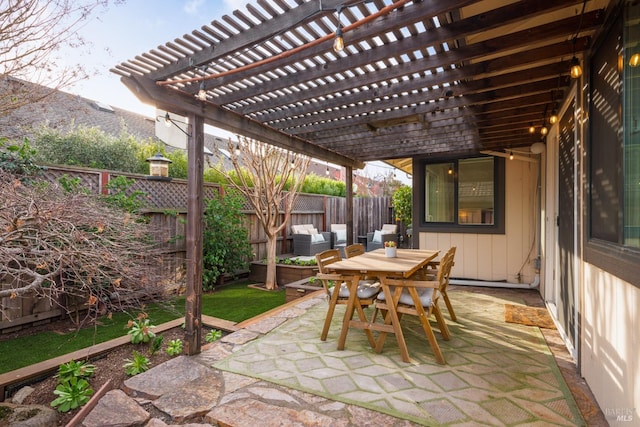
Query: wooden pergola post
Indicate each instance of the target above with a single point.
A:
(195, 213)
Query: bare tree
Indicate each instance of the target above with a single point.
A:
(61, 246)
(32, 36)
(263, 173)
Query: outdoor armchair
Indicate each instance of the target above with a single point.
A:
(376, 239)
(338, 237)
(308, 241)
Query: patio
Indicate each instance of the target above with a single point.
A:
(276, 371)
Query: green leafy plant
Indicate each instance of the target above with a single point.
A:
(74, 369)
(137, 365)
(120, 196)
(174, 347)
(72, 394)
(213, 335)
(18, 160)
(403, 204)
(140, 329)
(156, 344)
(226, 247)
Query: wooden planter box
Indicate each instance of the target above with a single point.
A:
(284, 273)
(299, 289)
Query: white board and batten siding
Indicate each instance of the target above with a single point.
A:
(499, 257)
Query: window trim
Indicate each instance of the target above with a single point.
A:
(498, 227)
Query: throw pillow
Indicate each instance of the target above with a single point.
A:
(317, 238)
(341, 235)
(313, 231)
(377, 236)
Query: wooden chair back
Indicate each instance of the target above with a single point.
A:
(354, 250)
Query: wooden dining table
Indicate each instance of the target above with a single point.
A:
(376, 264)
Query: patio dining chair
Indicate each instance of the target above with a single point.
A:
(337, 290)
(354, 250)
(432, 270)
(428, 293)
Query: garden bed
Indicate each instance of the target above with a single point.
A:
(285, 273)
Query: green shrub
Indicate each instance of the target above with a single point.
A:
(403, 204)
(226, 247)
(18, 159)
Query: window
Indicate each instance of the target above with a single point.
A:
(615, 135)
(614, 148)
(462, 195)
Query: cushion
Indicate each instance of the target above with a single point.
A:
(366, 289)
(312, 231)
(389, 228)
(377, 236)
(341, 235)
(317, 238)
(301, 228)
(424, 294)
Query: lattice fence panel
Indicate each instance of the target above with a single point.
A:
(88, 179)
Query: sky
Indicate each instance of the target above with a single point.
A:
(126, 30)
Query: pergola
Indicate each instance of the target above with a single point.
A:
(417, 79)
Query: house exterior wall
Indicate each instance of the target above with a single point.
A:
(500, 257)
(610, 360)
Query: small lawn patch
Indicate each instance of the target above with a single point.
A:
(235, 302)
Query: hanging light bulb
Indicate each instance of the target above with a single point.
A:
(338, 42)
(237, 150)
(554, 116)
(167, 120)
(450, 171)
(532, 128)
(327, 171)
(634, 61)
(511, 155)
(544, 130)
(576, 69)
(202, 93)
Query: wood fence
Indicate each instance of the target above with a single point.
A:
(166, 202)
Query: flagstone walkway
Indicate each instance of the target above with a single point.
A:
(192, 391)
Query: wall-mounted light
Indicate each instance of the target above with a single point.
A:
(159, 165)
(168, 121)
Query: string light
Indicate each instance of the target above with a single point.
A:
(511, 155)
(202, 93)
(338, 41)
(532, 128)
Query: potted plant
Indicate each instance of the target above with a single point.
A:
(390, 249)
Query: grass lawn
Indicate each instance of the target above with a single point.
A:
(235, 302)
